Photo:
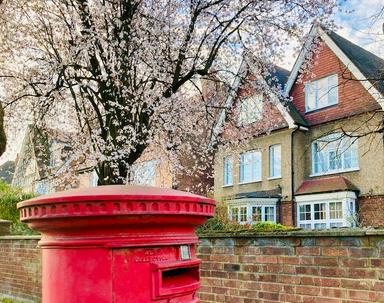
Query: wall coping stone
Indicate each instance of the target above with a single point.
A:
(21, 237)
(341, 232)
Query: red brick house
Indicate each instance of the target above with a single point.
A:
(320, 164)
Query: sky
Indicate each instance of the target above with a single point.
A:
(362, 24)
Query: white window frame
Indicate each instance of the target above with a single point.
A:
(272, 159)
(334, 139)
(258, 168)
(347, 198)
(228, 171)
(249, 203)
(313, 87)
(250, 110)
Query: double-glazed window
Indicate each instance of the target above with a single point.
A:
(251, 110)
(322, 215)
(228, 171)
(334, 153)
(250, 167)
(321, 93)
(275, 161)
(252, 213)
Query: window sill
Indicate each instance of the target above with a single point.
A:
(274, 178)
(335, 172)
(312, 111)
(227, 185)
(249, 182)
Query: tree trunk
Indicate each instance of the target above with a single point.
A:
(3, 139)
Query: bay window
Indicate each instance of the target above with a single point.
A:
(252, 210)
(334, 153)
(326, 210)
(250, 167)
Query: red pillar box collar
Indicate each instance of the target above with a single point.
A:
(118, 243)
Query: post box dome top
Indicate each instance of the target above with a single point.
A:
(117, 193)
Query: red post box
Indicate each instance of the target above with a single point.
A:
(120, 244)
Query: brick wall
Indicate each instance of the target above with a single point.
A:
(306, 267)
(340, 266)
(20, 268)
(371, 209)
(353, 97)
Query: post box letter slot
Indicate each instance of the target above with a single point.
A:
(176, 278)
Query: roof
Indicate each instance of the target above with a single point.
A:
(361, 63)
(273, 193)
(325, 185)
(368, 63)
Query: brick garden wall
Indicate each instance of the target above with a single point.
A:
(308, 267)
(343, 266)
(20, 268)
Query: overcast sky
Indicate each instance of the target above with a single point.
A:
(363, 25)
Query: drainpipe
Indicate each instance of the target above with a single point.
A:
(293, 178)
(294, 221)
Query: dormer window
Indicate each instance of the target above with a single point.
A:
(321, 93)
(251, 110)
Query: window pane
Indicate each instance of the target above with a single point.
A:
(333, 90)
(310, 96)
(334, 153)
(250, 167)
(256, 214)
(228, 166)
(275, 161)
(234, 214)
(335, 224)
(305, 212)
(269, 214)
(251, 110)
(243, 214)
(335, 210)
(319, 211)
(322, 93)
(144, 173)
(320, 226)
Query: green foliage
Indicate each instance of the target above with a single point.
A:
(221, 224)
(8, 300)
(9, 197)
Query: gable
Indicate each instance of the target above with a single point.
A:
(353, 97)
(270, 118)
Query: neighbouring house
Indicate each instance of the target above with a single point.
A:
(319, 164)
(42, 158)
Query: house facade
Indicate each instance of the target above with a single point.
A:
(322, 165)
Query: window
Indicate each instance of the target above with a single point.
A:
(321, 93)
(228, 167)
(251, 110)
(93, 179)
(275, 161)
(334, 153)
(335, 210)
(250, 167)
(251, 213)
(144, 173)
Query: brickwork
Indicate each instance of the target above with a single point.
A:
(20, 268)
(310, 267)
(371, 209)
(353, 97)
(286, 213)
(339, 266)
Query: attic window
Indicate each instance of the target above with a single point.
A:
(321, 93)
(251, 110)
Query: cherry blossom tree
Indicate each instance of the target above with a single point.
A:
(119, 73)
